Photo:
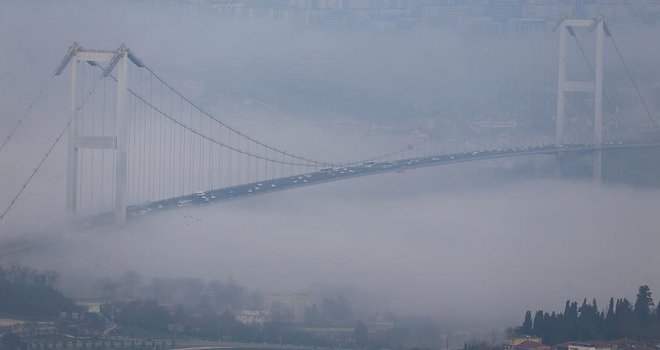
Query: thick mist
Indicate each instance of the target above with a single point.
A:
(471, 244)
(422, 242)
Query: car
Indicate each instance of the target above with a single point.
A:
(184, 202)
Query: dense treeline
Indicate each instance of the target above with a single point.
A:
(191, 293)
(29, 293)
(188, 307)
(205, 309)
(141, 317)
(640, 320)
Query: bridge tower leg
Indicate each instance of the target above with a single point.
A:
(598, 104)
(559, 120)
(121, 130)
(567, 26)
(72, 153)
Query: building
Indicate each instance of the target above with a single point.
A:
(27, 328)
(252, 317)
(92, 306)
(343, 336)
(11, 326)
(289, 307)
(476, 16)
(531, 345)
(616, 344)
(378, 331)
(511, 344)
(595, 345)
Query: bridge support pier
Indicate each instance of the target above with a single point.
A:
(560, 165)
(598, 167)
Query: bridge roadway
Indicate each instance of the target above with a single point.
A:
(364, 169)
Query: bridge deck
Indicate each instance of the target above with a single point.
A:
(365, 169)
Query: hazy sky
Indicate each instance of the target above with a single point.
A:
(453, 242)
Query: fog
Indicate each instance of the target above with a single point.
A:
(474, 245)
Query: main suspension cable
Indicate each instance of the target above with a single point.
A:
(50, 149)
(224, 124)
(33, 103)
(322, 163)
(630, 76)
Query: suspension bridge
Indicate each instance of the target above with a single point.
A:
(136, 145)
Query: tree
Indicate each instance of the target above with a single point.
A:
(144, 314)
(493, 335)
(107, 288)
(538, 323)
(130, 283)
(643, 305)
(29, 293)
(313, 316)
(589, 320)
(526, 328)
(361, 335)
(337, 311)
(610, 323)
(476, 344)
(624, 317)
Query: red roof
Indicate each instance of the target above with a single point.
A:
(531, 345)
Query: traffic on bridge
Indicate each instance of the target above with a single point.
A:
(366, 169)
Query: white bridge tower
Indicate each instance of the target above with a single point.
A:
(566, 26)
(118, 142)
